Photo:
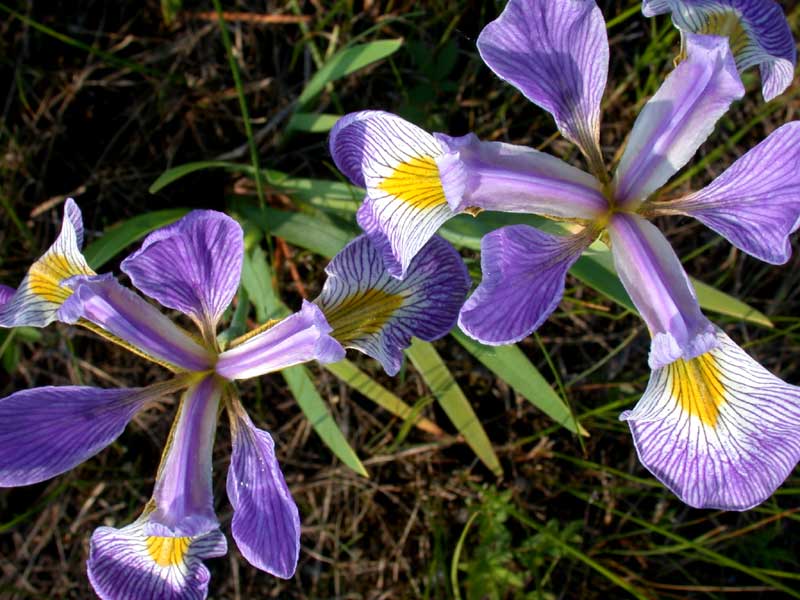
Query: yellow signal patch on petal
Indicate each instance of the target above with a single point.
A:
(697, 386)
(167, 551)
(416, 182)
(727, 23)
(364, 313)
(47, 273)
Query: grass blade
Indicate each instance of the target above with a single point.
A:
(513, 367)
(453, 401)
(117, 237)
(345, 62)
(358, 380)
(312, 122)
(257, 279)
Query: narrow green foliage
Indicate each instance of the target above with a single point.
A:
(118, 237)
(312, 122)
(358, 380)
(257, 279)
(453, 401)
(512, 366)
(345, 62)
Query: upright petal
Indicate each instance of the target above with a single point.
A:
(523, 281)
(47, 431)
(183, 497)
(377, 314)
(678, 119)
(41, 293)
(556, 53)
(128, 319)
(658, 285)
(755, 203)
(509, 178)
(413, 184)
(757, 31)
(193, 265)
(718, 430)
(300, 337)
(266, 522)
(129, 564)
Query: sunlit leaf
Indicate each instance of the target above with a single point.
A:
(118, 237)
(453, 401)
(512, 366)
(345, 62)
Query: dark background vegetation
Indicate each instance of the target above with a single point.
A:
(568, 516)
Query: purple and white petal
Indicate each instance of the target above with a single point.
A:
(508, 178)
(266, 522)
(523, 282)
(193, 265)
(6, 293)
(678, 119)
(129, 564)
(656, 282)
(718, 430)
(300, 337)
(757, 30)
(556, 53)
(128, 318)
(377, 314)
(413, 185)
(47, 431)
(37, 299)
(183, 497)
(755, 203)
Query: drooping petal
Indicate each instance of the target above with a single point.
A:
(556, 53)
(718, 430)
(38, 298)
(183, 497)
(509, 178)
(378, 314)
(129, 564)
(133, 322)
(266, 522)
(757, 30)
(755, 203)
(662, 293)
(193, 265)
(47, 431)
(413, 186)
(523, 282)
(678, 119)
(300, 337)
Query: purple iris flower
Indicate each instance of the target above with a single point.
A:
(194, 266)
(713, 425)
(757, 31)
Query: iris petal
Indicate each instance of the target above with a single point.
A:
(129, 564)
(718, 430)
(41, 293)
(413, 185)
(677, 119)
(377, 314)
(299, 338)
(556, 53)
(757, 30)
(266, 522)
(755, 203)
(49, 430)
(523, 281)
(193, 265)
(656, 282)
(129, 319)
(183, 497)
